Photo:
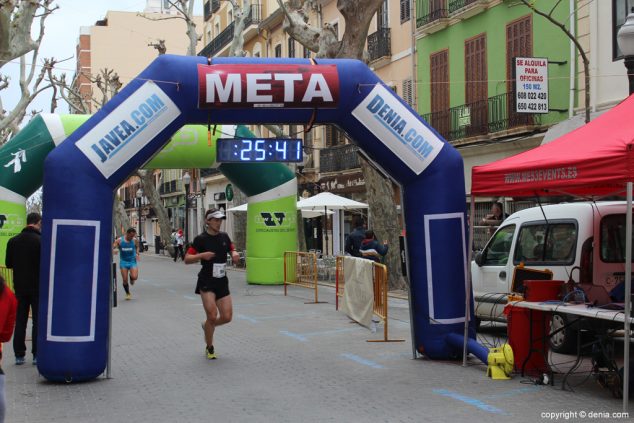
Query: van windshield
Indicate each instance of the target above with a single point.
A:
(613, 238)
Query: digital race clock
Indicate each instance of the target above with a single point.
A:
(248, 150)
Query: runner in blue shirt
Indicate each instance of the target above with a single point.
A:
(128, 246)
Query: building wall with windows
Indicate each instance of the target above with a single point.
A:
(465, 74)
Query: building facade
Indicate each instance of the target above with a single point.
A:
(126, 43)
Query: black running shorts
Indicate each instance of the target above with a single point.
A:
(220, 287)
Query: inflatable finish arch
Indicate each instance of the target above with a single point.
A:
(81, 174)
(268, 185)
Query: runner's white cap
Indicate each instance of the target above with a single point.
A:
(215, 213)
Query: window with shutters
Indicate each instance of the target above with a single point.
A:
(519, 43)
(291, 47)
(476, 87)
(405, 11)
(334, 136)
(278, 50)
(407, 92)
(382, 16)
(440, 117)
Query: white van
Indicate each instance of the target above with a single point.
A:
(582, 241)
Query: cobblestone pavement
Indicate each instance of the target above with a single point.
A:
(280, 360)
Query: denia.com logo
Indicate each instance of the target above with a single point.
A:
(126, 130)
(398, 126)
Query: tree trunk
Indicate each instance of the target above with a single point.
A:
(384, 220)
(120, 220)
(149, 190)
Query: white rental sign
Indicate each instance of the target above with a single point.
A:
(531, 85)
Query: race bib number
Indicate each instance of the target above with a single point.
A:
(219, 270)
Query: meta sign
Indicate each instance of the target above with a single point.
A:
(531, 85)
(266, 86)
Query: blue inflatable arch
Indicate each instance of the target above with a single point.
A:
(81, 175)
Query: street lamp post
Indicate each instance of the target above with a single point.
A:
(139, 196)
(186, 180)
(625, 40)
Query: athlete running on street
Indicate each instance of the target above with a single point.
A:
(211, 249)
(128, 246)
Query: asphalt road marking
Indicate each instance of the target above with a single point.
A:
(471, 401)
(304, 336)
(362, 360)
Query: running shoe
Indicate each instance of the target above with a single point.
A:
(19, 361)
(211, 354)
(128, 296)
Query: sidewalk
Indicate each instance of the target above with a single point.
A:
(280, 360)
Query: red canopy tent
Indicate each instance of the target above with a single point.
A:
(591, 161)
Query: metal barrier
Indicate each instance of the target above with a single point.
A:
(7, 274)
(300, 269)
(380, 289)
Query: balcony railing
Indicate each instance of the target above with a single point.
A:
(335, 159)
(215, 6)
(226, 36)
(171, 187)
(379, 44)
(480, 118)
(430, 11)
(459, 4)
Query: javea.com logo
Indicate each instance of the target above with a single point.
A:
(398, 128)
(126, 130)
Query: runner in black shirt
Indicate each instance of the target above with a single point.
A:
(211, 248)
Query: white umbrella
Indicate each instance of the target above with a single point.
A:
(328, 200)
(240, 208)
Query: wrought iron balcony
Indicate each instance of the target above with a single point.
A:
(379, 44)
(215, 6)
(480, 118)
(430, 11)
(226, 36)
(459, 4)
(336, 159)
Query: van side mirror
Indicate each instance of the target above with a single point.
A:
(479, 259)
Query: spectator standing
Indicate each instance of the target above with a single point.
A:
(371, 248)
(179, 242)
(353, 242)
(8, 309)
(495, 218)
(23, 256)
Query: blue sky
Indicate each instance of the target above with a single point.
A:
(60, 39)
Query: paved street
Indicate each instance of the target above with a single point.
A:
(280, 360)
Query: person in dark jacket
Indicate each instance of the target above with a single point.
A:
(371, 248)
(23, 256)
(353, 242)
